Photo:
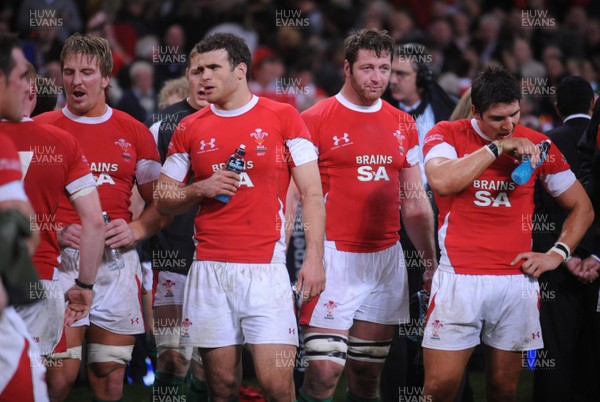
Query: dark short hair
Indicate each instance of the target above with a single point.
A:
(235, 46)
(370, 39)
(573, 95)
(8, 42)
(494, 85)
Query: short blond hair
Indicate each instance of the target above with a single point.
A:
(177, 86)
(90, 47)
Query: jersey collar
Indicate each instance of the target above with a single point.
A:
(235, 112)
(88, 120)
(478, 130)
(376, 107)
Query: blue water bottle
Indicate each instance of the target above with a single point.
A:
(523, 172)
(235, 164)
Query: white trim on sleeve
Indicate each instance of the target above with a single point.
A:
(413, 156)
(13, 191)
(558, 183)
(177, 166)
(81, 183)
(442, 150)
(302, 151)
(146, 171)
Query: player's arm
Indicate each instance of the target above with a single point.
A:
(579, 217)
(86, 203)
(173, 197)
(418, 219)
(291, 210)
(149, 222)
(450, 176)
(91, 243)
(312, 273)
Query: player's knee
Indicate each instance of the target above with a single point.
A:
(326, 356)
(440, 389)
(226, 387)
(501, 391)
(278, 391)
(173, 361)
(105, 359)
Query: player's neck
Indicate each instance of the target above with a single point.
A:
(96, 111)
(236, 100)
(351, 96)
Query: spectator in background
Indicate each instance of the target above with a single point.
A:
(486, 40)
(140, 100)
(63, 13)
(46, 96)
(402, 26)
(171, 61)
(413, 90)
(268, 76)
(173, 91)
(527, 66)
(100, 25)
(44, 45)
(54, 74)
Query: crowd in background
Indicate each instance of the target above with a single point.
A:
(297, 44)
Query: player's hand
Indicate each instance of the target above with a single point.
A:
(222, 182)
(519, 147)
(427, 278)
(585, 270)
(537, 263)
(79, 302)
(119, 234)
(311, 279)
(69, 236)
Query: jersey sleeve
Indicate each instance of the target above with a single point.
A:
(10, 166)
(147, 168)
(555, 172)
(178, 163)
(439, 143)
(298, 139)
(411, 139)
(78, 174)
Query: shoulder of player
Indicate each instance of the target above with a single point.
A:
(321, 108)
(128, 124)
(277, 109)
(49, 117)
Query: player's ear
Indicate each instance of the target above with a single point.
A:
(105, 81)
(241, 70)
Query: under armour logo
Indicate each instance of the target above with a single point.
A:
(203, 144)
(535, 334)
(135, 321)
(337, 140)
(291, 330)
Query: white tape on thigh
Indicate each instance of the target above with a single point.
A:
(368, 351)
(100, 353)
(196, 356)
(71, 353)
(332, 347)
